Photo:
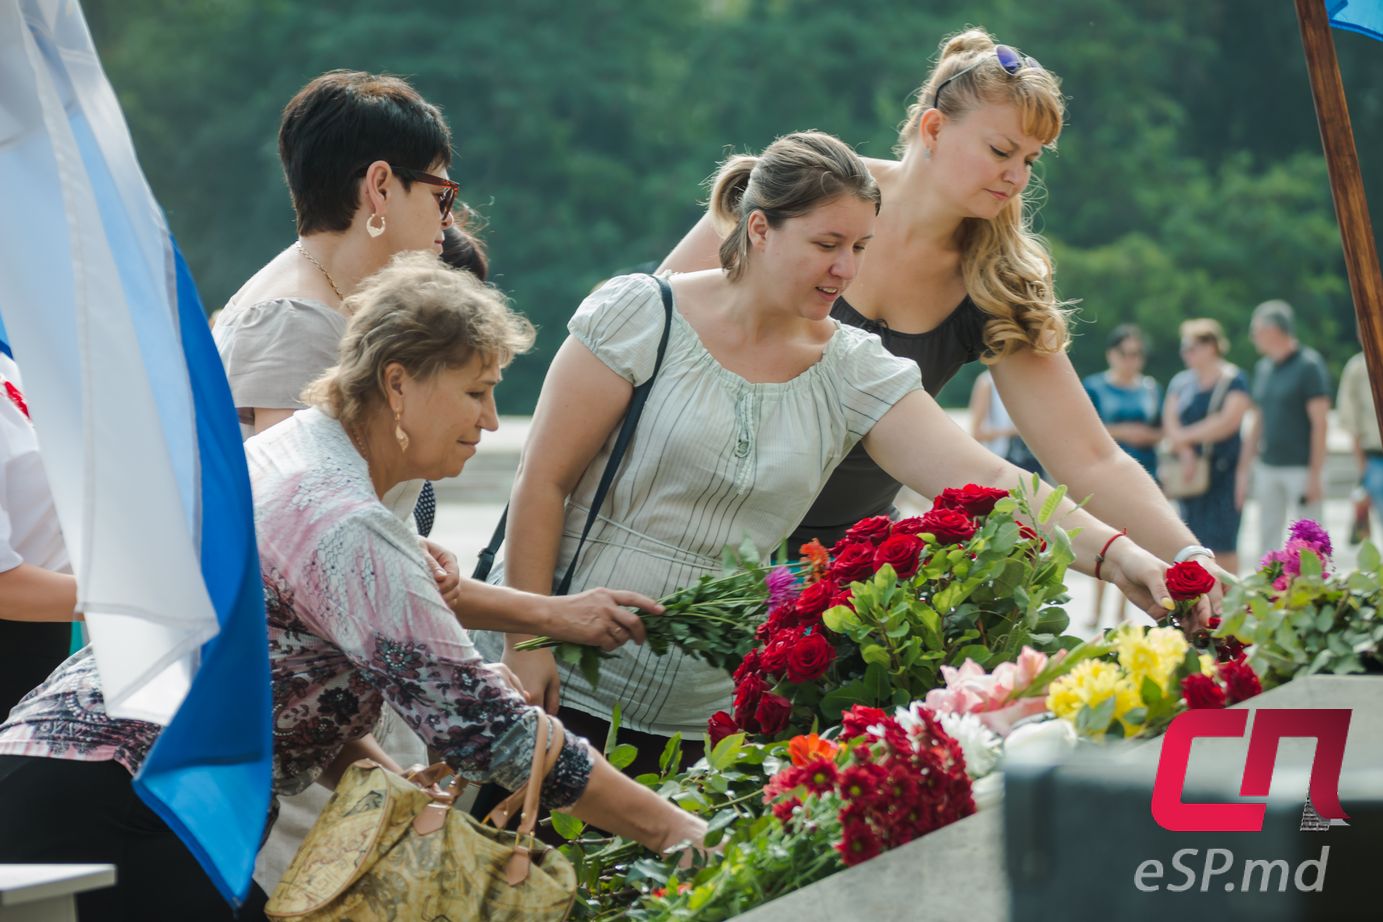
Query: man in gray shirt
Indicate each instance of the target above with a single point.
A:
(1287, 438)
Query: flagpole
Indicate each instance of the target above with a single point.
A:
(1346, 187)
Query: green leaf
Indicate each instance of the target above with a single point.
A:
(613, 731)
(873, 653)
(836, 618)
(978, 652)
(1151, 692)
(566, 825)
(1325, 620)
(1136, 716)
(1368, 558)
(623, 756)
(1049, 506)
(715, 828)
(1310, 564)
(724, 753)
(590, 665)
(672, 754)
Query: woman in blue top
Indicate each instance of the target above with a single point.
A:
(1130, 406)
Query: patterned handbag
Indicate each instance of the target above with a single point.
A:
(386, 849)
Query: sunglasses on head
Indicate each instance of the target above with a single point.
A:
(1011, 60)
(449, 187)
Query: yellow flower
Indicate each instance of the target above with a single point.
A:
(1155, 653)
(1208, 665)
(1090, 684)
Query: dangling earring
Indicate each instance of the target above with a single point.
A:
(370, 225)
(926, 153)
(399, 433)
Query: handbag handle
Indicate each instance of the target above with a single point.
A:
(544, 760)
(486, 559)
(1217, 398)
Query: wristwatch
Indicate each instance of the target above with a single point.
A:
(1192, 550)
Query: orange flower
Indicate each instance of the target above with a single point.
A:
(805, 749)
(817, 559)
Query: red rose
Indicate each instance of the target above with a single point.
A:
(748, 691)
(815, 599)
(903, 552)
(774, 658)
(809, 658)
(909, 526)
(1028, 533)
(972, 499)
(844, 597)
(854, 563)
(773, 713)
(1201, 691)
(1188, 580)
(873, 529)
(1240, 681)
(748, 666)
(720, 726)
(948, 526)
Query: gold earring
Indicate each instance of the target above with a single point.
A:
(370, 225)
(399, 433)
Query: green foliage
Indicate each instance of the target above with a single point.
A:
(1189, 180)
(1320, 623)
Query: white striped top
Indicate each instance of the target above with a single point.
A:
(716, 461)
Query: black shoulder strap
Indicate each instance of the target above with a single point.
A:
(626, 433)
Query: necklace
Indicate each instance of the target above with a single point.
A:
(312, 259)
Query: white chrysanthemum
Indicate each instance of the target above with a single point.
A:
(980, 744)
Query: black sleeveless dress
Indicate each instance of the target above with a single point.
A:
(859, 488)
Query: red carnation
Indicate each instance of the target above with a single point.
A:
(873, 529)
(809, 658)
(783, 809)
(972, 499)
(948, 526)
(1188, 580)
(1240, 681)
(773, 713)
(820, 775)
(858, 842)
(865, 784)
(902, 552)
(720, 726)
(854, 563)
(1201, 691)
(857, 721)
(815, 599)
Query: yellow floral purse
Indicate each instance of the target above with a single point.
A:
(385, 849)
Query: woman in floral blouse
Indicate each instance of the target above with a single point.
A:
(355, 618)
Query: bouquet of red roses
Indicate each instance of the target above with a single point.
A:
(873, 620)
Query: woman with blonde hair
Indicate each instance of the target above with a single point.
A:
(1201, 417)
(956, 274)
(760, 394)
(354, 618)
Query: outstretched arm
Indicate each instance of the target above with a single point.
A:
(700, 249)
(947, 457)
(30, 593)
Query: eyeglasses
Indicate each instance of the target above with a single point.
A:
(1131, 353)
(1009, 59)
(449, 187)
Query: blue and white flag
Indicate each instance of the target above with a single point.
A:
(1362, 16)
(140, 439)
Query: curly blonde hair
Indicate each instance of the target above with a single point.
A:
(1006, 265)
(424, 315)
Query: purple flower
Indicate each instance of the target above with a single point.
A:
(782, 587)
(1312, 534)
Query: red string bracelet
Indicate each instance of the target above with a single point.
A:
(1099, 558)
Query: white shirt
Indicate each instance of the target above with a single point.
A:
(29, 530)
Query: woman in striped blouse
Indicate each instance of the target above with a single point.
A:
(760, 395)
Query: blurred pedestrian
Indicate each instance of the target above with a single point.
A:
(1284, 454)
(1202, 416)
(1357, 417)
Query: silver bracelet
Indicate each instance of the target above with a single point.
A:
(1192, 550)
